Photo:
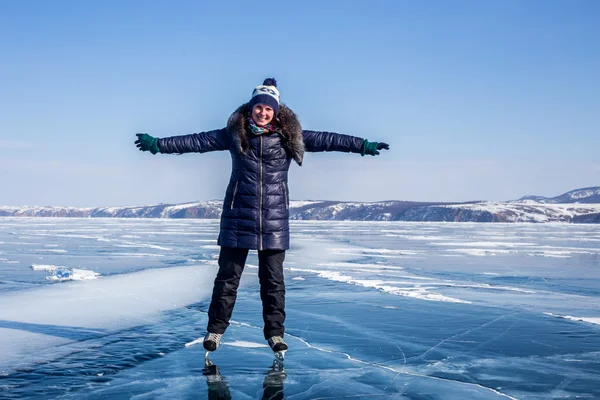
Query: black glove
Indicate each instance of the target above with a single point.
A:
(146, 142)
(371, 148)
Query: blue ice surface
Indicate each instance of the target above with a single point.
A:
(349, 336)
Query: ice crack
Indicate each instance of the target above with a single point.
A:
(399, 372)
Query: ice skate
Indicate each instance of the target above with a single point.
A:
(277, 344)
(279, 347)
(211, 341)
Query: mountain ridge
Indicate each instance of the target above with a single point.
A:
(576, 206)
(583, 195)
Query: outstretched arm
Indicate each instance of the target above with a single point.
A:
(331, 141)
(201, 142)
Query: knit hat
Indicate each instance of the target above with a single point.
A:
(266, 93)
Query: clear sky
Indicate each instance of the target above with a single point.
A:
(479, 100)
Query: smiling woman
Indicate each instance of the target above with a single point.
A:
(262, 114)
(263, 137)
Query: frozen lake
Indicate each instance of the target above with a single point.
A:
(102, 308)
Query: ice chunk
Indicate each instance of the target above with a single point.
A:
(61, 273)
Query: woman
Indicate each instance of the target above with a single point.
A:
(263, 137)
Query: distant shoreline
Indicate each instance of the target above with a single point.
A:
(480, 211)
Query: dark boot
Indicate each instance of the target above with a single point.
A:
(277, 344)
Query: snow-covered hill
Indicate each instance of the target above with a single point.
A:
(585, 195)
(205, 209)
(524, 211)
(577, 206)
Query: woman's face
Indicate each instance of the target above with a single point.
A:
(262, 114)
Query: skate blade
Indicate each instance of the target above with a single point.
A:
(195, 341)
(280, 355)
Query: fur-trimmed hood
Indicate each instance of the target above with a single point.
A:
(288, 128)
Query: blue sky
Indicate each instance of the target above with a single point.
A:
(478, 99)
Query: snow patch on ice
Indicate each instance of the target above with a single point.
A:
(143, 245)
(46, 317)
(211, 247)
(377, 251)
(550, 255)
(69, 235)
(417, 291)
(481, 252)
(482, 286)
(485, 244)
(590, 320)
(134, 255)
(248, 345)
(357, 265)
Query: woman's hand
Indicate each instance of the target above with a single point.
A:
(372, 148)
(146, 142)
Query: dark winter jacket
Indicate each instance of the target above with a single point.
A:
(256, 206)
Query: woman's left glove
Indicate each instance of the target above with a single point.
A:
(146, 142)
(372, 148)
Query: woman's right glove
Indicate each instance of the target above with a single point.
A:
(146, 142)
(372, 148)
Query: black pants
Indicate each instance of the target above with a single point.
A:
(272, 289)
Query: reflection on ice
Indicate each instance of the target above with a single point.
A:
(218, 388)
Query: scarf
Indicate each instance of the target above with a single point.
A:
(259, 130)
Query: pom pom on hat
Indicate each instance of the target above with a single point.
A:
(270, 82)
(267, 94)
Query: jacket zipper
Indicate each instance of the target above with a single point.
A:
(260, 241)
(234, 192)
(285, 197)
